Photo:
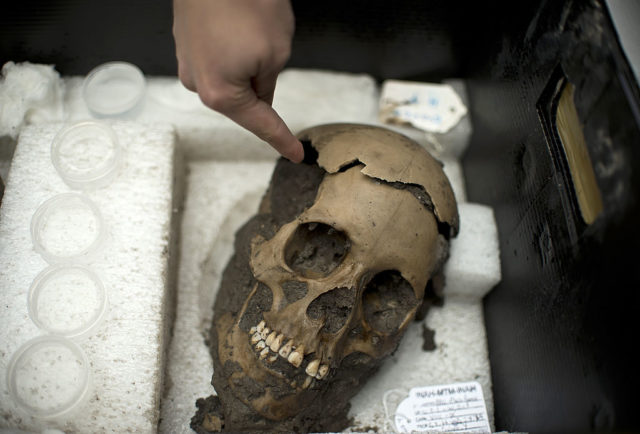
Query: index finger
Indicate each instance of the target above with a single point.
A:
(262, 120)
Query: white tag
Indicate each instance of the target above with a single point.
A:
(430, 107)
(457, 407)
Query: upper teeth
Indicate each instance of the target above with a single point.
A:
(275, 345)
(296, 356)
(264, 339)
(312, 368)
(286, 349)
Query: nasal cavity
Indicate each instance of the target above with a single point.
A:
(316, 249)
(333, 307)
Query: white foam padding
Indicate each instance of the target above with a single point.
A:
(28, 93)
(303, 98)
(461, 352)
(473, 267)
(126, 352)
(220, 197)
(229, 169)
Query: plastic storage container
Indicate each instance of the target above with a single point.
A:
(69, 301)
(68, 228)
(87, 155)
(114, 89)
(49, 377)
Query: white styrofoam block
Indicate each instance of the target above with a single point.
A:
(223, 195)
(473, 267)
(126, 352)
(303, 98)
(453, 169)
(460, 355)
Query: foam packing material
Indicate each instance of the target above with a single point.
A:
(126, 353)
(303, 98)
(229, 170)
(221, 196)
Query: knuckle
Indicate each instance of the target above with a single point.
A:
(282, 54)
(215, 98)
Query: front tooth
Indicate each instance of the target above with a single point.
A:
(284, 351)
(260, 326)
(322, 371)
(255, 338)
(252, 330)
(272, 358)
(260, 346)
(270, 338)
(295, 358)
(275, 345)
(265, 332)
(264, 353)
(307, 382)
(312, 367)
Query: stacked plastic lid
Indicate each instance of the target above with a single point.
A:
(49, 376)
(114, 89)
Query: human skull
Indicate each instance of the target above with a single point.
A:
(332, 285)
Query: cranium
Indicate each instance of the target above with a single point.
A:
(327, 277)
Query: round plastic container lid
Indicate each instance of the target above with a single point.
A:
(69, 301)
(87, 155)
(113, 88)
(67, 228)
(48, 376)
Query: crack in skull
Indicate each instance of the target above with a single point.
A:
(336, 285)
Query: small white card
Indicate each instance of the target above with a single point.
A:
(431, 107)
(457, 407)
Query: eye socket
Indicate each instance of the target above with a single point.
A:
(386, 301)
(316, 249)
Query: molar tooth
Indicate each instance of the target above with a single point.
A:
(322, 371)
(260, 346)
(284, 351)
(265, 332)
(312, 367)
(260, 326)
(275, 345)
(255, 338)
(270, 338)
(296, 356)
(264, 353)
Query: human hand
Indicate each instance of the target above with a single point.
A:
(230, 52)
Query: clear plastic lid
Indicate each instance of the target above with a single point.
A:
(67, 228)
(48, 377)
(69, 301)
(87, 155)
(113, 89)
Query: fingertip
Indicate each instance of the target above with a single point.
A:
(295, 153)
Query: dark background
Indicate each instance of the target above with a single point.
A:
(562, 323)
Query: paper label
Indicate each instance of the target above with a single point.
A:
(430, 107)
(455, 407)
